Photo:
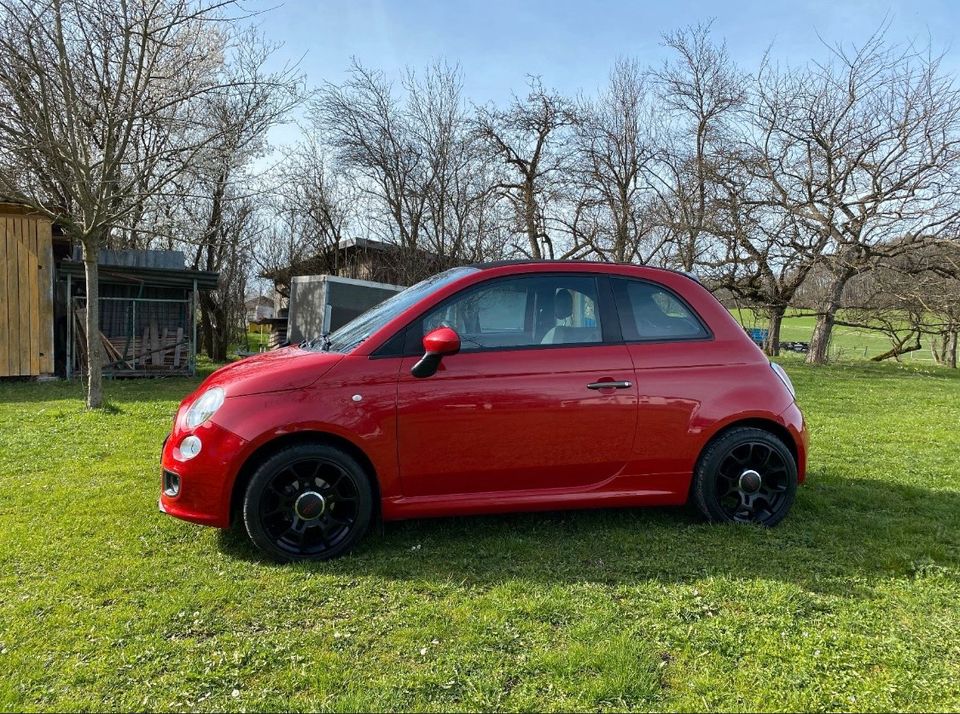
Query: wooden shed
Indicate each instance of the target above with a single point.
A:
(26, 293)
(148, 312)
(147, 304)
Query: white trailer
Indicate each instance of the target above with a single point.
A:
(319, 304)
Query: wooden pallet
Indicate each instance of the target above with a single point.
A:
(155, 352)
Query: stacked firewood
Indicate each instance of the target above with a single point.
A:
(156, 350)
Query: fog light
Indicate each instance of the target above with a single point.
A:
(171, 484)
(189, 448)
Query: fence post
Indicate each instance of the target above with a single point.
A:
(133, 334)
(70, 319)
(193, 319)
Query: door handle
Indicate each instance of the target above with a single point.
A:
(609, 385)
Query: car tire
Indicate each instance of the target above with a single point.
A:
(745, 475)
(308, 502)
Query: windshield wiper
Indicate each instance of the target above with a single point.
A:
(323, 342)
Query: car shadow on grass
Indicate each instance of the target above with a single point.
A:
(840, 528)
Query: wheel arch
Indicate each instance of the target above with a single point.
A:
(765, 424)
(278, 443)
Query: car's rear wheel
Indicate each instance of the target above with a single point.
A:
(308, 502)
(746, 475)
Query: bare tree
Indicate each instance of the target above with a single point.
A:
(883, 301)
(910, 296)
(460, 222)
(940, 297)
(862, 149)
(218, 193)
(701, 92)
(364, 124)
(530, 140)
(767, 253)
(612, 217)
(413, 157)
(312, 210)
(101, 107)
(231, 229)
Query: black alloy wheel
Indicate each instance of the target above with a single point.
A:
(308, 502)
(746, 475)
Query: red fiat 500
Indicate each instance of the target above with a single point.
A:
(492, 388)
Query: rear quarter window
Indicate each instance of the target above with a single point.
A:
(652, 312)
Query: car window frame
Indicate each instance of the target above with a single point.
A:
(610, 330)
(707, 335)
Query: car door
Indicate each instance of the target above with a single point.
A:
(676, 367)
(540, 396)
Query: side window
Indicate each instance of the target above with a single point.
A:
(650, 312)
(522, 312)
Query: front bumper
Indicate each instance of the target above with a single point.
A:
(206, 481)
(792, 419)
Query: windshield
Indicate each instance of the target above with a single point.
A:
(360, 328)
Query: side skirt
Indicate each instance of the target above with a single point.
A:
(662, 490)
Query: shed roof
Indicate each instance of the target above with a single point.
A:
(160, 277)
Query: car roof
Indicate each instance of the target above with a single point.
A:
(591, 265)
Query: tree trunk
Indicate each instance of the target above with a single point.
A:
(206, 333)
(217, 341)
(938, 348)
(530, 218)
(820, 341)
(214, 334)
(688, 253)
(772, 344)
(951, 350)
(623, 227)
(823, 330)
(898, 350)
(94, 363)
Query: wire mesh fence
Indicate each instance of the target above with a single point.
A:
(138, 336)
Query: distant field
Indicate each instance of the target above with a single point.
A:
(847, 342)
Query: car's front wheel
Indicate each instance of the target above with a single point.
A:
(746, 475)
(308, 502)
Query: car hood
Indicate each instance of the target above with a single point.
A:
(275, 371)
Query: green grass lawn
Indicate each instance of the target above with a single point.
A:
(852, 603)
(256, 339)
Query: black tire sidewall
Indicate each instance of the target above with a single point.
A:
(705, 476)
(265, 473)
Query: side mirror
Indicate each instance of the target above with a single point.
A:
(436, 344)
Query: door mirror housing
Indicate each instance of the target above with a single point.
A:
(442, 341)
(437, 344)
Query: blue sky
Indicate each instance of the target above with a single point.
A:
(573, 44)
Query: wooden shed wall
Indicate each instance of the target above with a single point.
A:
(26, 296)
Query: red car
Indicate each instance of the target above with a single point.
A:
(493, 388)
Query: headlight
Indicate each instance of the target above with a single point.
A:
(204, 407)
(784, 378)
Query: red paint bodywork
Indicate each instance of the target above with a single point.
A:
(494, 431)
